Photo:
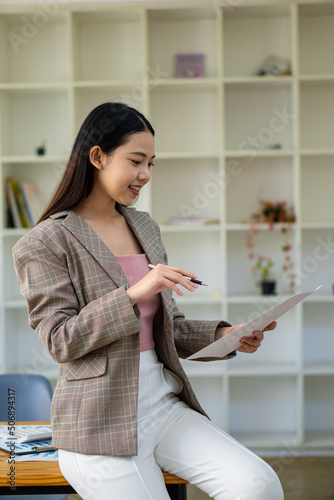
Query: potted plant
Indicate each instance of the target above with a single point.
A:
(262, 270)
(41, 149)
(271, 213)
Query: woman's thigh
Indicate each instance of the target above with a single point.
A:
(97, 477)
(200, 452)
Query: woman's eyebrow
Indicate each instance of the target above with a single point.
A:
(141, 154)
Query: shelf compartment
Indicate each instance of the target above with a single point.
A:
(185, 119)
(50, 111)
(45, 175)
(30, 357)
(263, 440)
(108, 45)
(316, 115)
(317, 179)
(316, 37)
(198, 255)
(263, 370)
(263, 411)
(201, 311)
(210, 394)
(266, 179)
(193, 188)
(11, 291)
(204, 369)
(251, 34)
(34, 47)
(240, 281)
(318, 340)
(269, 120)
(319, 410)
(279, 350)
(193, 31)
(317, 260)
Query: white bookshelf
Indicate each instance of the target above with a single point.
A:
(214, 158)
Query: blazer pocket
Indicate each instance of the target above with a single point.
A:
(88, 367)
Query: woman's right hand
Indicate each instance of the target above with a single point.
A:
(158, 279)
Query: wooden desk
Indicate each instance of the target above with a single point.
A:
(33, 478)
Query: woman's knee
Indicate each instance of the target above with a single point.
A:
(263, 484)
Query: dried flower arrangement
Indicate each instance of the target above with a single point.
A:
(271, 213)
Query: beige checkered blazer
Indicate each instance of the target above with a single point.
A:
(78, 305)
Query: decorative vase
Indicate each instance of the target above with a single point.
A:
(268, 287)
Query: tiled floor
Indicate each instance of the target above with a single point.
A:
(304, 478)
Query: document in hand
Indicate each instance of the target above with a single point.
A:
(220, 348)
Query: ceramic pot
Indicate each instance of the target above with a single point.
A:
(268, 287)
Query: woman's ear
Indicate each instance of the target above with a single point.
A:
(96, 156)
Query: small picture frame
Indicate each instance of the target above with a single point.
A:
(190, 66)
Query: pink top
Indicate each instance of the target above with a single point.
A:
(135, 267)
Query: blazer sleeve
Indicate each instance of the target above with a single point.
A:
(68, 330)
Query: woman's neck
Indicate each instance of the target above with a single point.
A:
(94, 209)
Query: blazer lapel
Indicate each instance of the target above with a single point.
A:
(145, 233)
(94, 245)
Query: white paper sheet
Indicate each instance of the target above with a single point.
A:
(230, 342)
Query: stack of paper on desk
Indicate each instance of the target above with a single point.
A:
(26, 451)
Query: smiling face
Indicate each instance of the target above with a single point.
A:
(121, 174)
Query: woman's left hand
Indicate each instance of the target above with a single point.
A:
(247, 344)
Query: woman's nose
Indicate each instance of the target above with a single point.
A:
(144, 174)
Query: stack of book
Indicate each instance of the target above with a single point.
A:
(21, 203)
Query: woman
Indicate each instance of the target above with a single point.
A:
(123, 408)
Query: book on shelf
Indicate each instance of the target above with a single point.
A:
(178, 220)
(13, 214)
(22, 206)
(30, 192)
(190, 65)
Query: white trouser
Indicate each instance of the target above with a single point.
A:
(174, 438)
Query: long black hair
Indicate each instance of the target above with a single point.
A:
(108, 126)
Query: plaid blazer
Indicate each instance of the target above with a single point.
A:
(78, 305)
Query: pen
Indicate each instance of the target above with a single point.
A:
(193, 280)
(42, 449)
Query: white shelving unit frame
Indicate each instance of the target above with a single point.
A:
(213, 138)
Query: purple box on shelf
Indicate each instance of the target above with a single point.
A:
(190, 65)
